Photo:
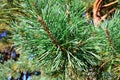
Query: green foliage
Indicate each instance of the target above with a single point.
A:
(84, 45)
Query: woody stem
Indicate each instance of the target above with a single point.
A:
(55, 42)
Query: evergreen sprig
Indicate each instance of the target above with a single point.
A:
(65, 45)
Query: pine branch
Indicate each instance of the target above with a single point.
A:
(107, 32)
(55, 42)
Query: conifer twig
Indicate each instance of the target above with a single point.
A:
(107, 32)
(68, 11)
(55, 42)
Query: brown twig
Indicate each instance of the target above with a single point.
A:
(55, 42)
(96, 12)
(105, 16)
(97, 7)
(110, 4)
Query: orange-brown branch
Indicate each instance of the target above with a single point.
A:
(97, 8)
(110, 4)
(96, 12)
